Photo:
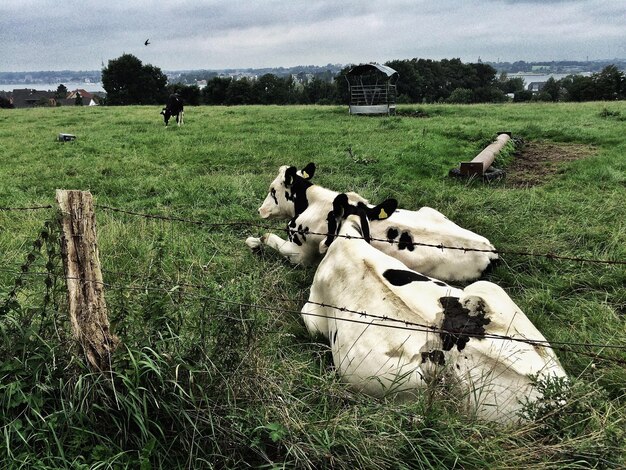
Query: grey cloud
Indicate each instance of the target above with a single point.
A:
(236, 33)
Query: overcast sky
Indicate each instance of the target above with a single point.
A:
(218, 34)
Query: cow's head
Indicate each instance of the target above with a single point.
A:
(287, 192)
(166, 115)
(342, 209)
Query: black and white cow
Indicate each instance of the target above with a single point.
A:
(292, 196)
(395, 330)
(174, 107)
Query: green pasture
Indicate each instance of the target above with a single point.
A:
(216, 369)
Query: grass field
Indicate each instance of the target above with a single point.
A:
(216, 369)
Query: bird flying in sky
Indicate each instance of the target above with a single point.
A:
(147, 42)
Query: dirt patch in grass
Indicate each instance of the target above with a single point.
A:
(537, 162)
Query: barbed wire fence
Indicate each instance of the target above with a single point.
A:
(254, 224)
(358, 317)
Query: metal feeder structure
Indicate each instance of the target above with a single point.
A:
(372, 89)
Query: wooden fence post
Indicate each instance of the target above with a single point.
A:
(85, 289)
(479, 164)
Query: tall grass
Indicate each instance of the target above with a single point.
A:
(206, 376)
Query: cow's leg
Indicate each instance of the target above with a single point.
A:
(294, 253)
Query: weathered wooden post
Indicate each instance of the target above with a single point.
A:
(479, 164)
(85, 289)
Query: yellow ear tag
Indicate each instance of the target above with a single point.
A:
(305, 175)
(383, 214)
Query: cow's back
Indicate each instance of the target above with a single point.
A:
(368, 352)
(413, 238)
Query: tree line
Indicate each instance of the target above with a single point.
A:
(127, 81)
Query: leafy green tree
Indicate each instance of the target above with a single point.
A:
(408, 80)
(61, 92)
(215, 90)
(609, 84)
(579, 88)
(341, 86)
(127, 81)
(270, 89)
(488, 94)
(5, 103)
(239, 92)
(460, 95)
(190, 94)
(318, 91)
(432, 80)
(509, 85)
(551, 90)
(522, 95)
(78, 101)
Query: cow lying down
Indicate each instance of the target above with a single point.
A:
(457, 345)
(292, 196)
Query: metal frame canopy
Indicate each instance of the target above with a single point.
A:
(372, 89)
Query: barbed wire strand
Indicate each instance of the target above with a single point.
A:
(565, 346)
(178, 219)
(33, 208)
(440, 246)
(383, 240)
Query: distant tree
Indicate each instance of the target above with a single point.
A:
(461, 96)
(432, 80)
(522, 95)
(5, 103)
(341, 86)
(488, 94)
(239, 92)
(127, 81)
(551, 90)
(61, 92)
(542, 96)
(318, 91)
(579, 88)
(509, 85)
(521, 66)
(190, 94)
(408, 79)
(78, 101)
(609, 84)
(215, 90)
(270, 89)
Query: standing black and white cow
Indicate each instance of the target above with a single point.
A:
(174, 107)
(393, 330)
(292, 196)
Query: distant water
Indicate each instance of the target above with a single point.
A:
(536, 77)
(52, 86)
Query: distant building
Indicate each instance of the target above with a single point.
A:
(89, 99)
(536, 87)
(28, 98)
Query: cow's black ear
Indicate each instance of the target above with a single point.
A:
(308, 171)
(290, 175)
(341, 205)
(382, 210)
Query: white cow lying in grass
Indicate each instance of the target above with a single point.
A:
(463, 341)
(292, 196)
